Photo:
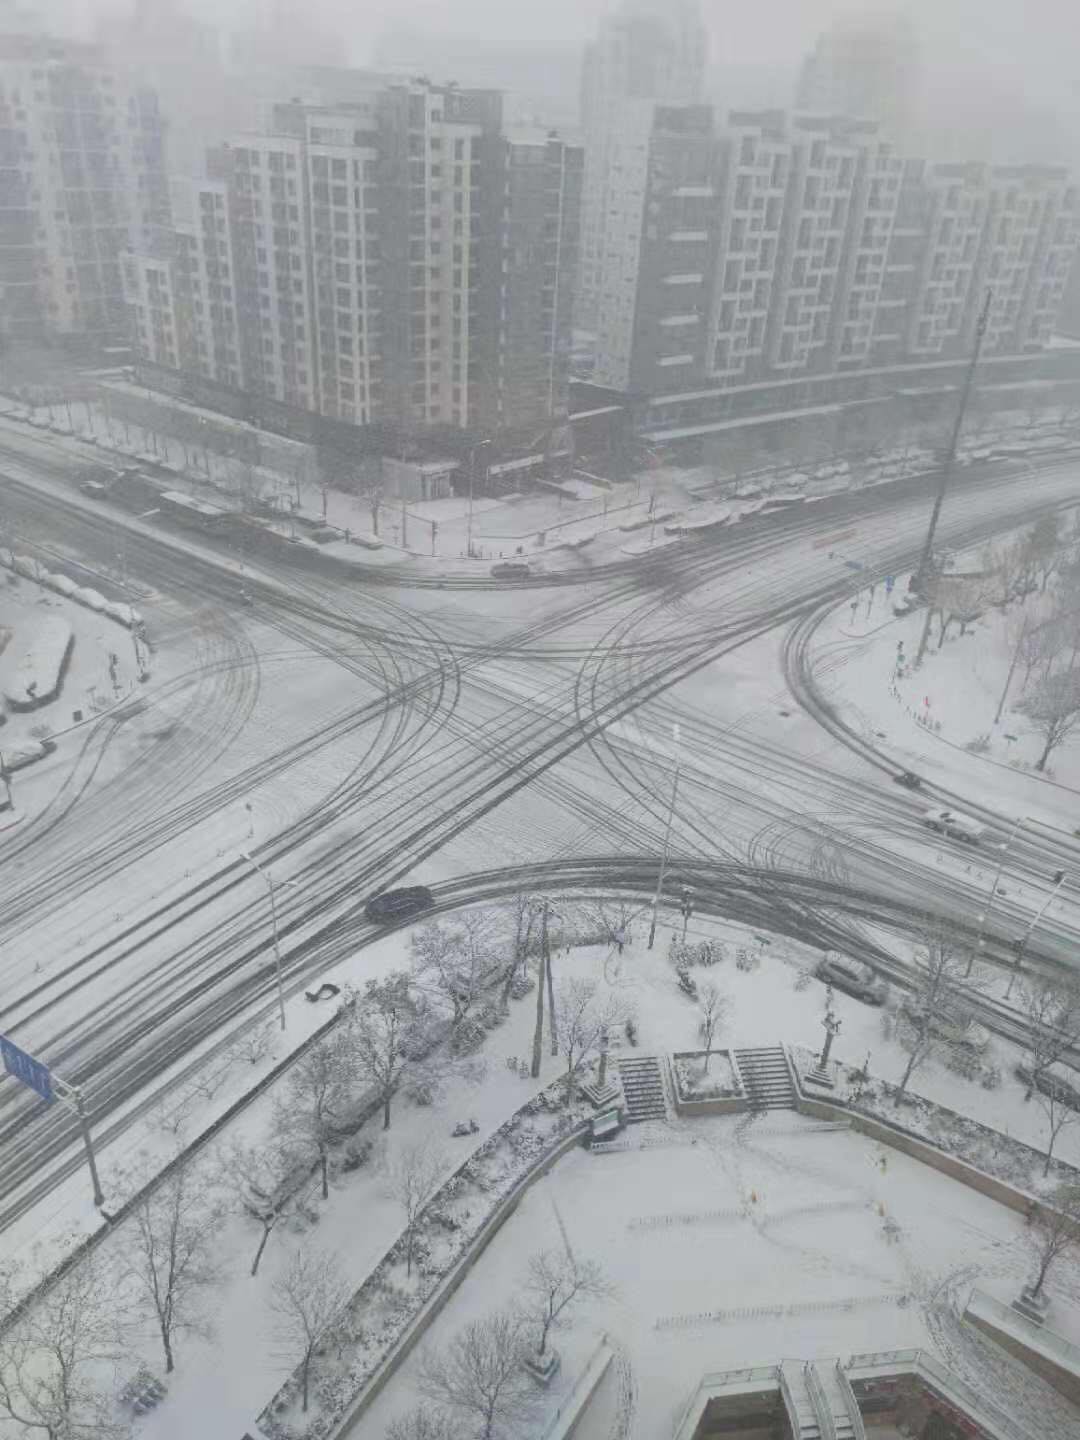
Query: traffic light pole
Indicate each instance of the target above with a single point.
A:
(919, 578)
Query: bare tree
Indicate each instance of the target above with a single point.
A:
(1052, 1008)
(268, 1181)
(480, 1376)
(937, 990)
(554, 1282)
(423, 1423)
(1054, 1099)
(1053, 708)
(1056, 1230)
(306, 1297)
(526, 918)
(50, 1357)
(170, 1255)
(415, 1176)
(583, 1015)
(1003, 564)
(312, 1113)
(1042, 547)
(378, 1032)
(713, 1006)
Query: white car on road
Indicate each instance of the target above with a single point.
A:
(953, 823)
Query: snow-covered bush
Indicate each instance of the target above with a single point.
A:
(803, 978)
(468, 1036)
(990, 1077)
(357, 1152)
(746, 959)
(631, 1030)
(964, 1062)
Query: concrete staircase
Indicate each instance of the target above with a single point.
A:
(766, 1078)
(798, 1400)
(643, 1086)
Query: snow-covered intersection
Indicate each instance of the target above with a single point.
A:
(346, 735)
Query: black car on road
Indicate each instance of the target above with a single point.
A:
(394, 905)
(853, 979)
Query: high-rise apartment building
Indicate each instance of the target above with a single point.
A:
(82, 177)
(770, 249)
(648, 51)
(867, 67)
(400, 260)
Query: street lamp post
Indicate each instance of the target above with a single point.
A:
(667, 838)
(1021, 944)
(984, 916)
(269, 879)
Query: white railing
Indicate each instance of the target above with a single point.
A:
(718, 1379)
(858, 1429)
(820, 1401)
(583, 1387)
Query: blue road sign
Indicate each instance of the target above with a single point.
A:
(890, 581)
(25, 1068)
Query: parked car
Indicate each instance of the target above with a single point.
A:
(854, 979)
(954, 1029)
(394, 905)
(954, 824)
(908, 779)
(511, 570)
(1050, 1083)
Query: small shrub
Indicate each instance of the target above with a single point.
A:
(467, 1037)
(631, 1031)
(990, 1077)
(490, 1016)
(520, 986)
(803, 978)
(357, 1152)
(746, 959)
(964, 1062)
(980, 745)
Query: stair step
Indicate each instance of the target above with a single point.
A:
(643, 1086)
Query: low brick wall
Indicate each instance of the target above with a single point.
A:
(1064, 1381)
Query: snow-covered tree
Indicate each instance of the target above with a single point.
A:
(415, 1175)
(1053, 708)
(1051, 1005)
(378, 1030)
(312, 1112)
(1054, 1099)
(456, 962)
(306, 1297)
(170, 1253)
(713, 1006)
(583, 1013)
(51, 1357)
(937, 989)
(1055, 1231)
(480, 1377)
(555, 1282)
(424, 1422)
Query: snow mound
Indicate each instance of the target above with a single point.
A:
(33, 668)
(92, 599)
(124, 613)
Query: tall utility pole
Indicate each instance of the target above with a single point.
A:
(472, 480)
(667, 838)
(269, 879)
(1005, 844)
(538, 1033)
(919, 578)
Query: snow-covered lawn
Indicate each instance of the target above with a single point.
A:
(787, 1242)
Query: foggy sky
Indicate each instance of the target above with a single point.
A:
(997, 56)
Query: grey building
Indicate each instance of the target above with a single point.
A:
(82, 178)
(397, 261)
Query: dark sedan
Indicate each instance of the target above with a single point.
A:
(394, 905)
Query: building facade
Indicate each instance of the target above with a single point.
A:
(768, 249)
(398, 261)
(647, 51)
(82, 178)
(867, 67)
